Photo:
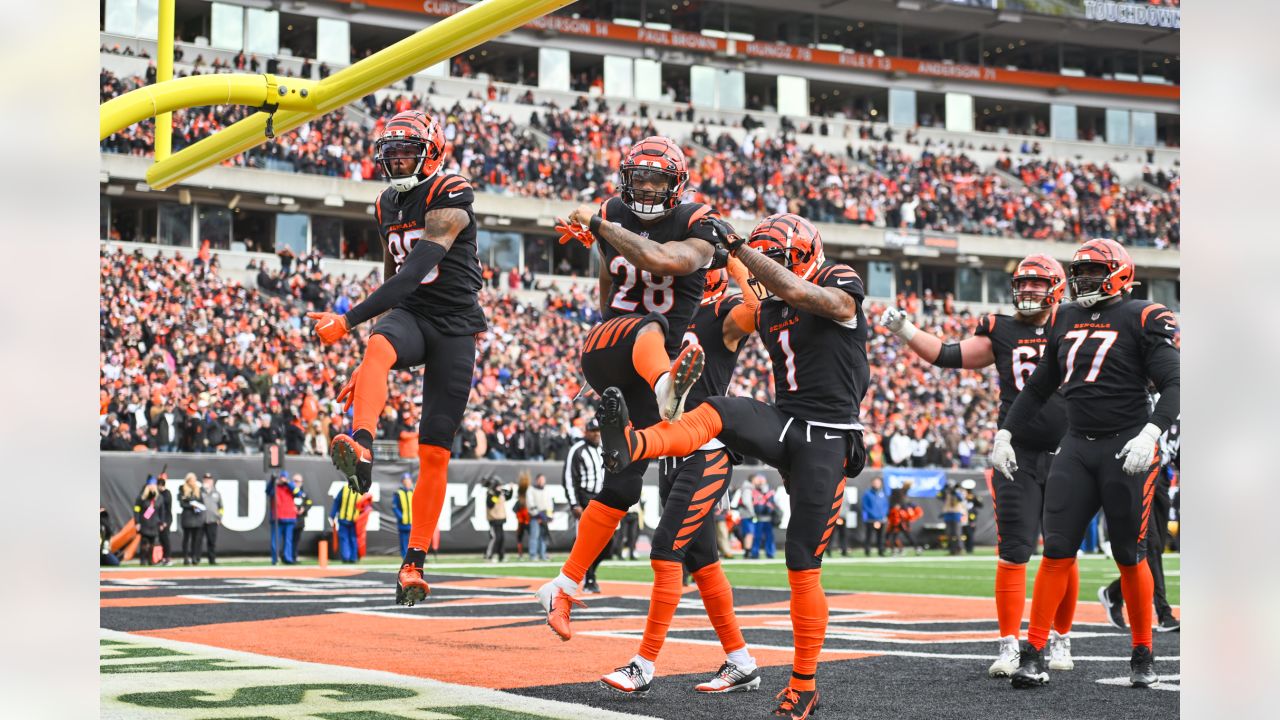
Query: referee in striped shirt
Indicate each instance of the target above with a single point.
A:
(583, 480)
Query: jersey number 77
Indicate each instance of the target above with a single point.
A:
(1106, 338)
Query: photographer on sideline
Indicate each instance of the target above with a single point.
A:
(495, 501)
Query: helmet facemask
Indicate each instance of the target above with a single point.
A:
(1032, 294)
(1087, 278)
(648, 203)
(387, 151)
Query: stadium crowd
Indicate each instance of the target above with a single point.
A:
(191, 361)
(939, 189)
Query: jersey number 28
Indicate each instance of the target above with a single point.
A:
(658, 295)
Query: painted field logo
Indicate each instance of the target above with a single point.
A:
(142, 678)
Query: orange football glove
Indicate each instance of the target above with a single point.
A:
(347, 395)
(573, 231)
(330, 327)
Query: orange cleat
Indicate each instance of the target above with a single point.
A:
(410, 587)
(675, 386)
(558, 603)
(354, 461)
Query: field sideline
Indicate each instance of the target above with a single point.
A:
(934, 573)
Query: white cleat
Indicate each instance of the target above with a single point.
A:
(1060, 652)
(628, 680)
(731, 678)
(1007, 662)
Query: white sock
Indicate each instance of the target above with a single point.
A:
(563, 582)
(645, 666)
(742, 659)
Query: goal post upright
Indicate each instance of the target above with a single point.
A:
(304, 100)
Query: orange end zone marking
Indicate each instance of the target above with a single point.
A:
(155, 601)
(226, 573)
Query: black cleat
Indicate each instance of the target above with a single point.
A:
(796, 704)
(616, 433)
(1032, 670)
(1142, 668)
(1113, 606)
(354, 461)
(1169, 623)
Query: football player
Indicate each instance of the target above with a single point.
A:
(1013, 344)
(690, 488)
(429, 316)
(1103, 350)
(812, 323)
(654, 252)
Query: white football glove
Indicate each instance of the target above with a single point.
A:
(1140, 452)
(896, 322)
(1002, 455)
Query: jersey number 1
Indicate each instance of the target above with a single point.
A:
(400, 245)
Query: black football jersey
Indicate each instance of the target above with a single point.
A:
(1102, 357)
(820, 370)
(1017, 347)
(707, 330)
(676, 298)
(447, 296)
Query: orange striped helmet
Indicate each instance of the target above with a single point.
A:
(415, 135)
(790, 240)
(1038, 284)
(1100, 269)
(652, 159)
(717, 284)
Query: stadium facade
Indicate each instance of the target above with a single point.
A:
(1076, 81)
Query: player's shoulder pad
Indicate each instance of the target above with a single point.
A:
(692, 212)
(1154, 317)
(688, 221)
(987, 324)
(839, 275)
(727, 303)
(613, 209)
(449, 190)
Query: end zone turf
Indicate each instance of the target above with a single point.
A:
(261, 642)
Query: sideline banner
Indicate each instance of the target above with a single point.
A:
(463, 525)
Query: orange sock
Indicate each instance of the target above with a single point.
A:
(1011, 597)
(808, 625)
(371, 385)
(1051, 582)
(428, 493)
(649, 355)
(595, 530)
(1067, 608)
(667, 586)
(717, 598)
(680, 438)
(1139, 590)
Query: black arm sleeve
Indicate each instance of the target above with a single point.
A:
(1163, 367)
(1037, 390)
(424, 256)
(949, 356)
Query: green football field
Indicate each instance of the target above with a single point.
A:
(933, 573)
